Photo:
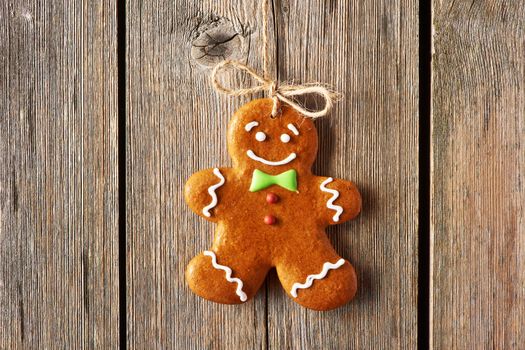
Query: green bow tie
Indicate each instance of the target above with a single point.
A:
(261, 180)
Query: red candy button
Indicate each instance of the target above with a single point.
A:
(272, 198)
(270, 220)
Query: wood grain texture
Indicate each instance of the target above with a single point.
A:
(368, 50)
(58, 175)
(176, 125)
(478, 162)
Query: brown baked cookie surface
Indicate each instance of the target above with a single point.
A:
(271, 211)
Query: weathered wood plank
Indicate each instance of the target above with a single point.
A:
(478, 164)
(58, 175)
(368, 50)
(176, 125)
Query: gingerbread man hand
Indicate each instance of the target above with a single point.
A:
(271, 212)
(202, 192)
(340, 198)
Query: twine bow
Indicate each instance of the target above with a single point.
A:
(278, 93)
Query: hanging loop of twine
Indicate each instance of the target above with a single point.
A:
(278, 93)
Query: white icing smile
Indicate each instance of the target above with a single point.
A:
(255, 157)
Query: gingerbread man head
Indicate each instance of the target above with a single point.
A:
(271, 212)
(258, 141)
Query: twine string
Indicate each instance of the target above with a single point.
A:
(277, 92)
(266, 50)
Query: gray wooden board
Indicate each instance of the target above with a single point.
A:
(367, 50)
(176, 125)
(58, 179)
(58, 175)
(478, 164)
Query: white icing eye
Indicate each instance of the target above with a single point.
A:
(285, 138)
(260, 136)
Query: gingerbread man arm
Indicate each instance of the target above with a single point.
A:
(339, 200)
(203, 190)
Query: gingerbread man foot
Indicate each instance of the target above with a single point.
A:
(333, 286)
(212, 279)
(318, 278)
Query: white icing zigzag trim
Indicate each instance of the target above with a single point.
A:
(228, 271)
(330, 203)
(310, 279)
(211, 191)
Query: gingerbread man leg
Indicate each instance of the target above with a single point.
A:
(225, 275)
(318, 279)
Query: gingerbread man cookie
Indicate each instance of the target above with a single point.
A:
(271, 211)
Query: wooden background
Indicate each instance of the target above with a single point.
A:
(106, 109)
